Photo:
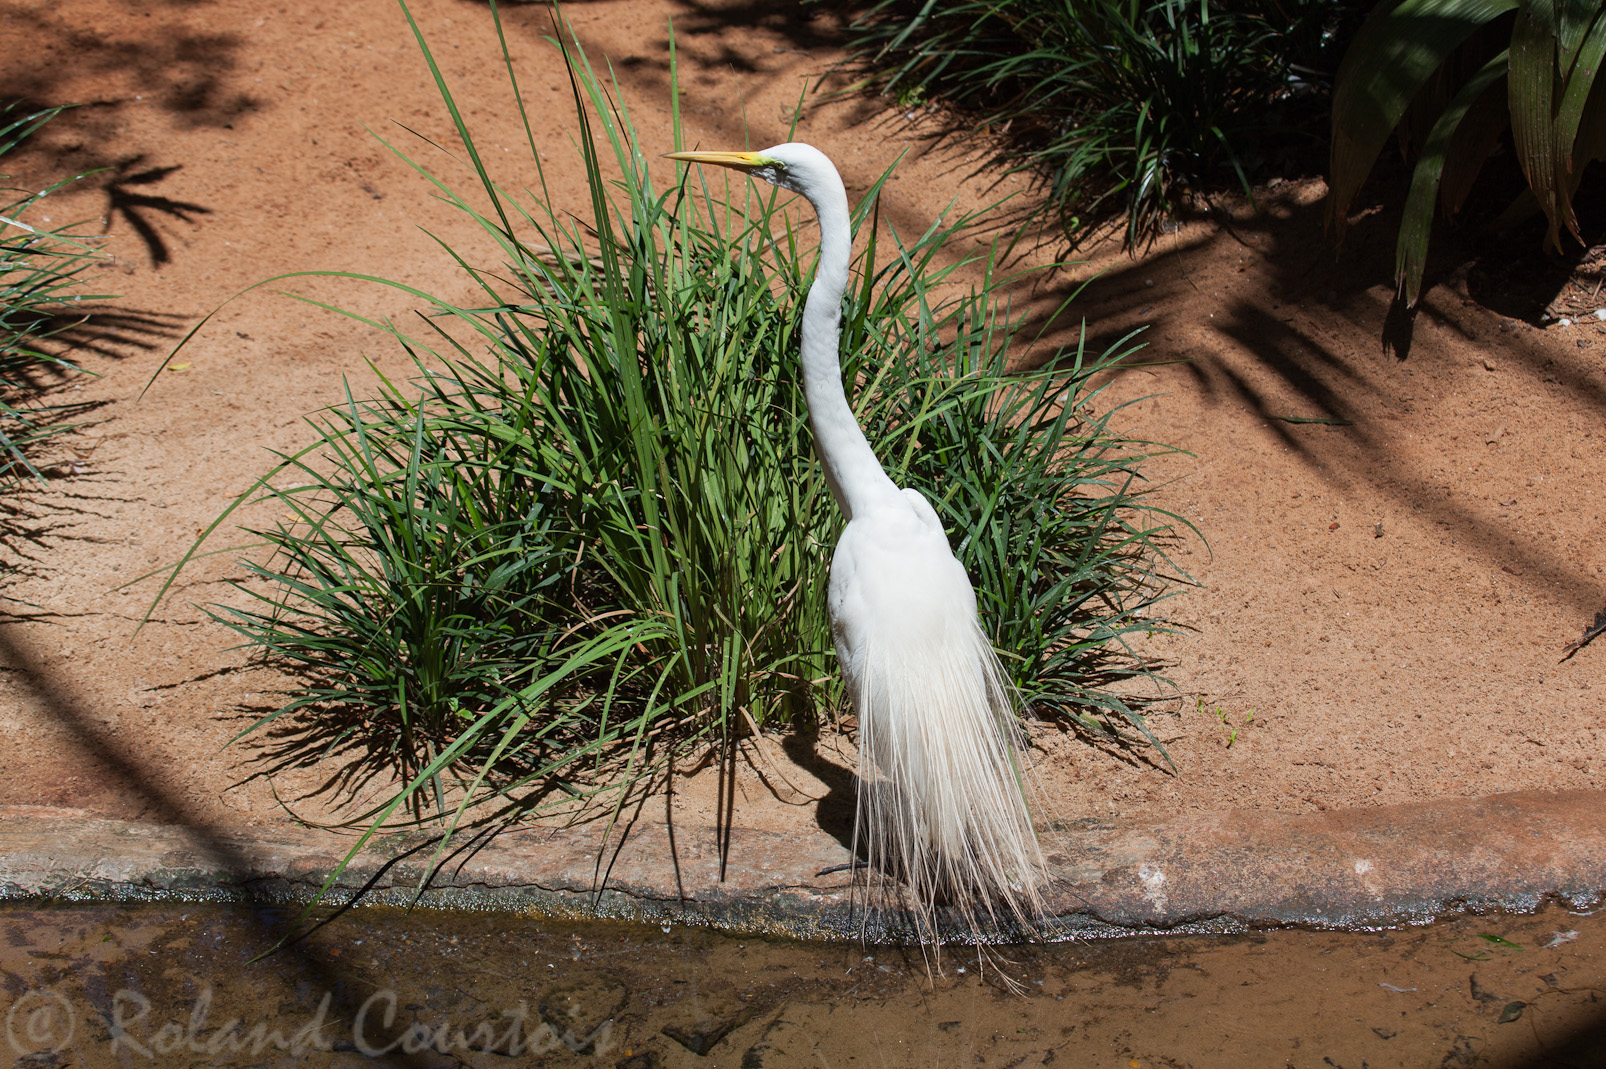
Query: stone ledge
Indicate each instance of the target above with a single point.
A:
(1200, 871)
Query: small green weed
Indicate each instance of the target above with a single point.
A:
(1221, 718)
(912, 96)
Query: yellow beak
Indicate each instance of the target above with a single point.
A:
(741, 161)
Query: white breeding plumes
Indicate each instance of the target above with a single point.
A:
(942, 803)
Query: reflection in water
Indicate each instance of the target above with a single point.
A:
(101, 985)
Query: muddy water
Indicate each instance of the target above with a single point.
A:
(178, 986)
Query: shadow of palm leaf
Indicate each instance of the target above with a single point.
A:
(136, 208)
(103, 329)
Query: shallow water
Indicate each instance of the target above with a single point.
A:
(104, 985)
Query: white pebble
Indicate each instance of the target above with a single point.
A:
(1600, 313)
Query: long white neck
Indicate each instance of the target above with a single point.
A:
(851, 468)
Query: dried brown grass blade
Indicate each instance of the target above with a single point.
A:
(1591, 633)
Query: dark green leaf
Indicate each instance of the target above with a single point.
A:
(1581, 80)
(1396, 51)
(1532, 92)
(1416, 224)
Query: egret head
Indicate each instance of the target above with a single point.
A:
(794, 165)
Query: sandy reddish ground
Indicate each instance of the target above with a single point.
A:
(1389, 597)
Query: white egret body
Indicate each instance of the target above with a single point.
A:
(941, 798)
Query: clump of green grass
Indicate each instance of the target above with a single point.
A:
(41, 269)
(1119, 106)
(592, 533)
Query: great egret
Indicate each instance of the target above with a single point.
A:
(941, 798)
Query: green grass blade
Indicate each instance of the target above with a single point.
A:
(1416, 225)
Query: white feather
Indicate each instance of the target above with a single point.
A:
(941, 799)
